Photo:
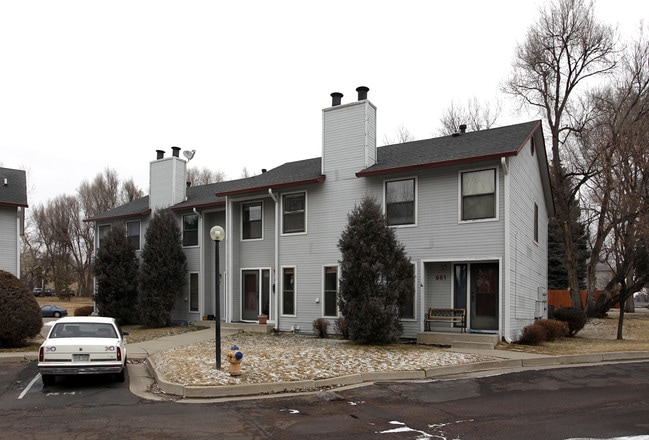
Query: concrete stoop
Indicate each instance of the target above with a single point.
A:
(476, 341)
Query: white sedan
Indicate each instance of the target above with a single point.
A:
(83, 345)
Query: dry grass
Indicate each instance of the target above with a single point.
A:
(598, 336)
(136, 333)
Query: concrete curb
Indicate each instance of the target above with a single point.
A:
(218, 391)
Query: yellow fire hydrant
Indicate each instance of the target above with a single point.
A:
(235, 356)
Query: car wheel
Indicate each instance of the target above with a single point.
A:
(48, 379)
(57, 315)
(121, 376)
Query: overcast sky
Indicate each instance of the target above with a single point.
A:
(86, 85)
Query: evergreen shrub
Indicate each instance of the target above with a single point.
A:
(22, 319)
(575, 318)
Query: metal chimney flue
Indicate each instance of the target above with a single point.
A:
(463, 128)
(362, 92)
(160, 154)
(336, 98)
(175, 151)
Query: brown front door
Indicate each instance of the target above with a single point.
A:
(484, 296)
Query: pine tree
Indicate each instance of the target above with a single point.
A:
(162, 274)
(376, 276)
(116, 273)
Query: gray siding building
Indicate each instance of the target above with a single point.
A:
(471, 209)
(13, 202)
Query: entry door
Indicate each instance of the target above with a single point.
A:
(250, 297)
(484, 296)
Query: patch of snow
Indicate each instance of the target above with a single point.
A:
(283, 358)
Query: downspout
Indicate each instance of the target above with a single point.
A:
(507, 263)
(274, 279)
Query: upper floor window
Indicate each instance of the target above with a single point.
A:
(102, 232)
(251, 221)
(190, 230)
(133, 234)
(294, 213)
(400, 202)
(478, 194)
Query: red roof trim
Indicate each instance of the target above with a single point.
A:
(266, 187)
(434, 164)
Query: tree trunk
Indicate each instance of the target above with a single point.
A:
(620, 321)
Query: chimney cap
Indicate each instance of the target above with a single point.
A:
(336, 98)
(362, 92)
(160, 154)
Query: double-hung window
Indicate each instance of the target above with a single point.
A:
(133, 234)
(252, 221)
(294, 213)
(190, 230)
(478, 194)
(102, 232)
(400, 202)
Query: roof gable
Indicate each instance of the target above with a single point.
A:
(14, 192)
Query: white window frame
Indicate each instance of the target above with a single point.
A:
(101, 234)
(198, 292)
(306, 210)
(324, 284)
(198, 227)
(496, 198)
(243, 205)
(294, 314)
(415, 202)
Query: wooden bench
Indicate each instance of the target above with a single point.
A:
(454, 316)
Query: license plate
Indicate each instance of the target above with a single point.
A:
(80, 357)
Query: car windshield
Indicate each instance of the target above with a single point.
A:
(83, 330)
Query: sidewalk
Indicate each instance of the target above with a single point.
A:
(142, 373)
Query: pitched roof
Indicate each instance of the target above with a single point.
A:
(447, 150)
(14, 193)
(466, 147)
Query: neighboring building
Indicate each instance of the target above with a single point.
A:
(471, 209)
(13, 202)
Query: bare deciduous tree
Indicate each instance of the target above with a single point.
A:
(204, 176)
(565, 48)
(402, 135)
(616, 143)
(476, 116)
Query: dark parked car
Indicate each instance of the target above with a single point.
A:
(48, 292)
(51, 311)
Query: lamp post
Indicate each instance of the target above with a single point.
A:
(217, 234)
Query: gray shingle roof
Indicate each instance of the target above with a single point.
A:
(14, 193)
(470, 146)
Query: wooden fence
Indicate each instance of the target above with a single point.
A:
(561, 298)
